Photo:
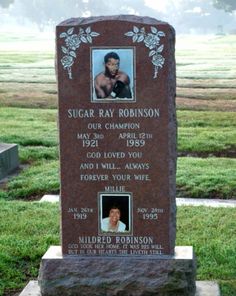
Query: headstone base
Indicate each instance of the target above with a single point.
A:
(136, 275)
(203, 288)
(9, 159)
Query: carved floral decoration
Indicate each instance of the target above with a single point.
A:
(152, 41)
(72, 43)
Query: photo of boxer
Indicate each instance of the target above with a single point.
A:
(113, 83)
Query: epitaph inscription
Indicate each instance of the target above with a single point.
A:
(117, 136)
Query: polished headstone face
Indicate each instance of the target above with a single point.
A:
(116, 82)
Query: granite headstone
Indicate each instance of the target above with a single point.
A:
(117, 128)
(117, 149)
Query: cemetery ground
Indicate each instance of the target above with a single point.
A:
(206, 106)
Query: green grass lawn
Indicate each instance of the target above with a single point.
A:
(206, 131)
(205, 72)
(29, 228)
(206, 177)
(211, 232)
(200, 133)
(29, 127)
(196, 177)
(206, 103)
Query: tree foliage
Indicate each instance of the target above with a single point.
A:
(226, 5)
(44, 12)
(184, 14)
(6, 3)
